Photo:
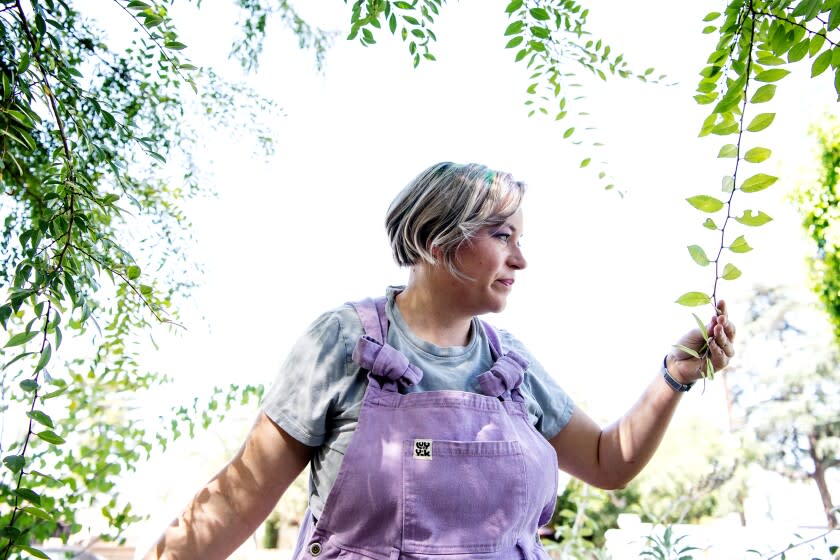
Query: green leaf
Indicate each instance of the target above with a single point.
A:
(730, 272)
(710, 369)
(41, 418)
(701, 326)
(807, 9)
(22, 338)
(698, 254)
(38, 512)
(728, 151)
(817, 42)
(29, 495)
(133, 272)
(585, 162)
(512, 7)
(770, 60)
(740, 245)
(58, 392)
(761, 121)
(758, 182)
(708, 125)
(539, 14)
(704, 98)
(727, 183)
(23, 64)
(834, 18)
(693, 299)
(29, 385)
(514, 42)
(821, 63)
(515, 28)
(152, 20)
(14, 462)
(711, 16)
(764, 94)
(710, 224)
(541, 32)
(753, 218)
(799, 50)
(569, 132)
(175, 45)
(773, 75)
(50, 437)
(16, 358)
(724, 128)
(5, 310)
(757, 155)
(705, 203)
(33, 551)
(46, 354)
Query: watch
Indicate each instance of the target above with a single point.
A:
(674, 384)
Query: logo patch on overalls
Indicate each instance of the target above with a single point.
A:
(423, 449)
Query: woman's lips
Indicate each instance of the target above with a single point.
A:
(506, 281)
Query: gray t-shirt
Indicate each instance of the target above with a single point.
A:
(318, 392)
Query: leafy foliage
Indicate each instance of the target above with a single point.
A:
(667, 546)
(757, 38)
(819, 203)
(787, 396)
(550, 38)
(85, 132)
(584, 514)
(254, 23)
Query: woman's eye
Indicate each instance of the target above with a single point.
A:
(503, 237)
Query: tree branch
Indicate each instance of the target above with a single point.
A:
(796, 23)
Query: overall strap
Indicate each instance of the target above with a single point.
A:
(385, 364)
(372, 314)
(504, 378)
(493, 338)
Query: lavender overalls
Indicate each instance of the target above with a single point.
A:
(443, 475)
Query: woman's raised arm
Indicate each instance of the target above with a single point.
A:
(611, 457)
(234, 502)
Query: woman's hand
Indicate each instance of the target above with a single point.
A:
(686, 368)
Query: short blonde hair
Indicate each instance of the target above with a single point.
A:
(446, 206)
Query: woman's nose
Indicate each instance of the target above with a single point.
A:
(517, 259)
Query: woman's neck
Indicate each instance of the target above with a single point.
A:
(429, 314)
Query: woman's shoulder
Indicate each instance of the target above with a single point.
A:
(340, 321)
(510, 342)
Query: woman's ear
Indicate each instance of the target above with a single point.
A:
(436, 252)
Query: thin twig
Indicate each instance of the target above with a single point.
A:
(806, 541)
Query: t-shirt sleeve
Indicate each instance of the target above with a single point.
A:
(552, 407)
(310, 380)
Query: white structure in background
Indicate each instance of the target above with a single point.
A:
(723, 539)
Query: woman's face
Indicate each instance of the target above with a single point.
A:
(491, 261)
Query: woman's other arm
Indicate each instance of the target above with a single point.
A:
(611, 457)
(232, 505)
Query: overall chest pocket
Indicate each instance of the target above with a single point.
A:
(462, 497)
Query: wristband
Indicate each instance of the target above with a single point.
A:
(673, 383)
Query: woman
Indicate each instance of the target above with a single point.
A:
(429, 433)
